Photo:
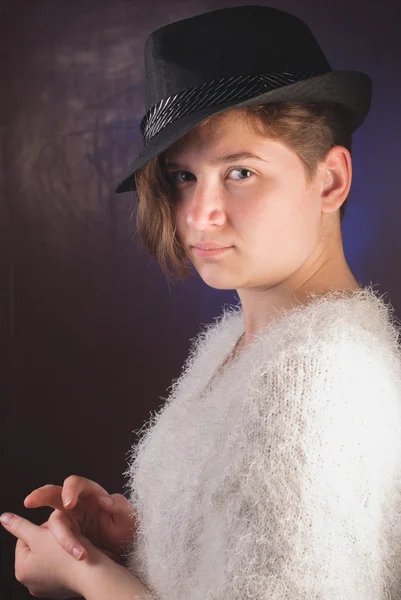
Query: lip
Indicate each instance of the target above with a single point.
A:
(210, 245)
(215, 252)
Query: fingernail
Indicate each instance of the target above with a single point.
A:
(67, 500)
(77, 552)
(6, 518)
(107, 501)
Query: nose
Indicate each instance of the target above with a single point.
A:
(205, 205)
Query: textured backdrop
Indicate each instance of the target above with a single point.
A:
(91, 334)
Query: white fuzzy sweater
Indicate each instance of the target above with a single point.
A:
(281, 480)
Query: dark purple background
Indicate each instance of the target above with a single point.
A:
(92, 335)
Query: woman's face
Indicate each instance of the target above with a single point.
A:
(260, 208)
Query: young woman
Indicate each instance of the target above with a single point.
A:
(273, 468)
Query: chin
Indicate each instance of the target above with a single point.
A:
(220, 281)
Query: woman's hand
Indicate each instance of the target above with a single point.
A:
(42, 565)
(109, 528)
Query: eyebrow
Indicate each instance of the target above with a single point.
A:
(220, 160)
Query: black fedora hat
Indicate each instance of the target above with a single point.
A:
(230, 58)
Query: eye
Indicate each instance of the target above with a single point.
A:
(172, 175)
(243, 170)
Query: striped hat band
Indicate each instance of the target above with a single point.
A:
(215, 92)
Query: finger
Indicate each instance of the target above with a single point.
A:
(116, 503)
(62, 530)
(121, 509)
(19, 527)
(47, 495)
(22, 548)
(123, 515)
(75, 487)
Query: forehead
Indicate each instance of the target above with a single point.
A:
(224, 135)
(223, 124)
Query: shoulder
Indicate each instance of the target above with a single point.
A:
(342, 350)
(217, 335)
(334, 322)
(341, 381)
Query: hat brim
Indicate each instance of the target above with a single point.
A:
(352, 89)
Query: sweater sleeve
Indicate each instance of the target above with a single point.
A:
(318, 496)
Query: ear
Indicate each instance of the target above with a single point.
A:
(336, 178)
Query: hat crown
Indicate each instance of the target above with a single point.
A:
(224, 43)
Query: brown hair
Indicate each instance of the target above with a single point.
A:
(308, 128)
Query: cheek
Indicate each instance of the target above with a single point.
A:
(260, 214)
(299, 227)
(279, 220)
